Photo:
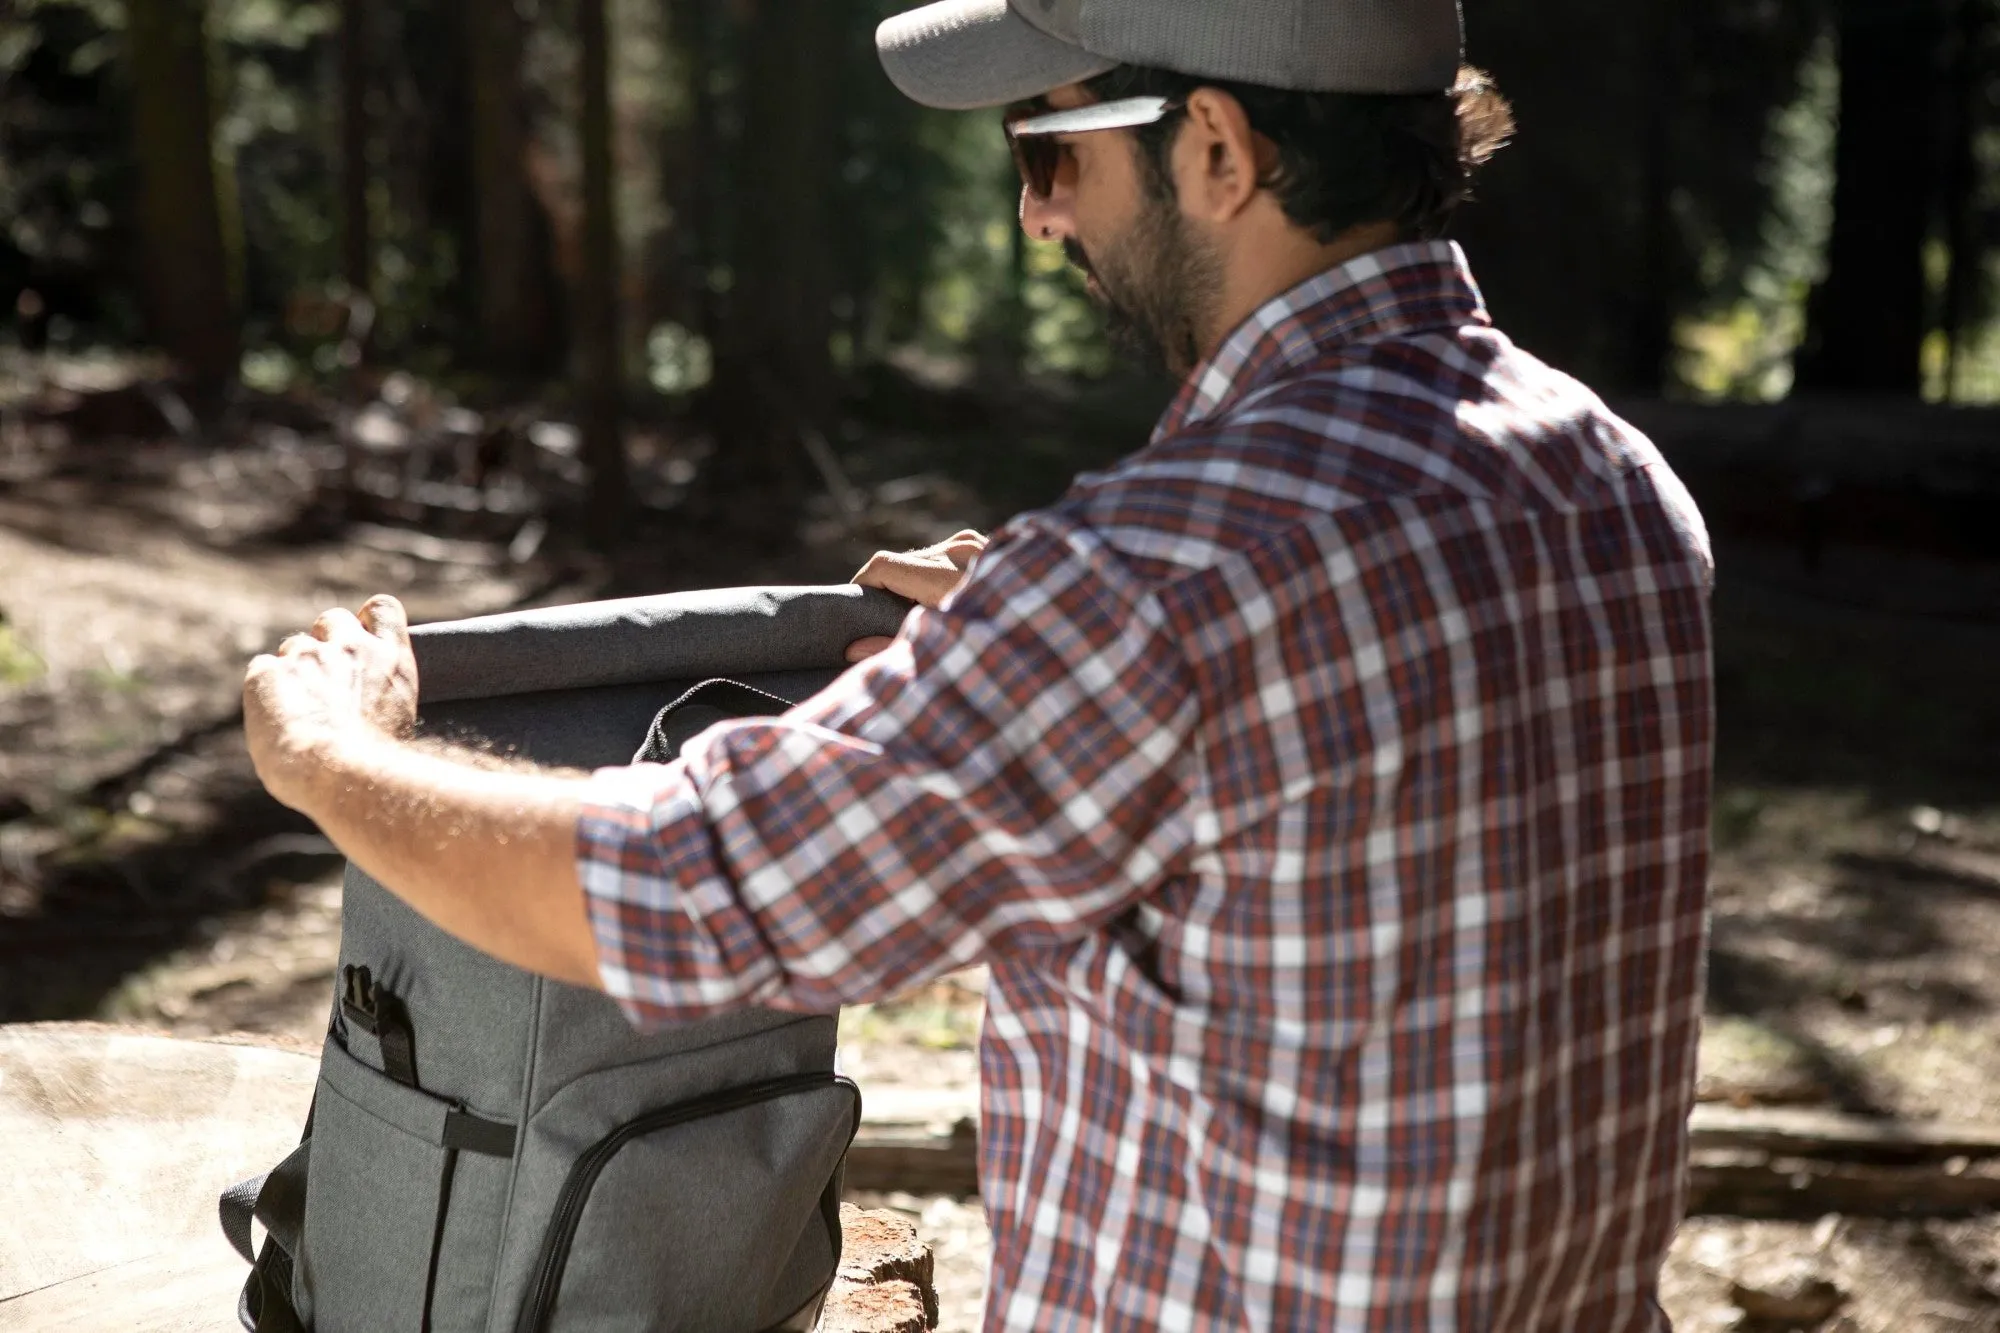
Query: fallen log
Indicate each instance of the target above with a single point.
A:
(916, 1163)
(1764, 1163)
(1796, 1132)
(1801, 1189)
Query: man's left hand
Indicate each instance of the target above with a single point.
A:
(350, 676)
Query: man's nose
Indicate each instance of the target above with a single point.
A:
(1046, 219)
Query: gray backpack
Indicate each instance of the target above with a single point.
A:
(491, 1152)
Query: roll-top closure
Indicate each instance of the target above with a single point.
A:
(676, 636)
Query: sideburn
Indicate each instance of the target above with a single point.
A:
(1178, 281)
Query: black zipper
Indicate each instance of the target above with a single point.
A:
(583, 1175)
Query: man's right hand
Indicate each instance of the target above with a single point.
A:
(923, 576)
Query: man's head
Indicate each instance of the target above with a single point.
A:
(1229, 150)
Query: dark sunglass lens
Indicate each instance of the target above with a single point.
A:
(1036, 157)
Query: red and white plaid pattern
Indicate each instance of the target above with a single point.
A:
(1327, 785)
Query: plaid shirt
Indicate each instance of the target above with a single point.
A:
(1327, 785)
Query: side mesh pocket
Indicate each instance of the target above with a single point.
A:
(383, 1160)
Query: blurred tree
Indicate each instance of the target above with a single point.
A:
(513, 282)
(692, 181)
(601, 366)
(186, 266)
(775, 378)
(1867, 319)
(66, 245)
(1633, 196)
(1968, 113)
(357, 256)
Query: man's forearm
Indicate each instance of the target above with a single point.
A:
(489, 856)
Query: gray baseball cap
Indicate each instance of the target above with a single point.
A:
(961, 54)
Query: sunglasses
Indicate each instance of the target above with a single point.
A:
(1039, 155)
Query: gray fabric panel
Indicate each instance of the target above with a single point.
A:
(371, 1209)
(678, 636)
(723, 1203)
(577, 1112)
(589, 728)
(963, 54)
(471, 1014)
(415, 1113)
(584, 1031)
(472, 1229)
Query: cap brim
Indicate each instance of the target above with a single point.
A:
(964, 54)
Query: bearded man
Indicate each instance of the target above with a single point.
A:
(1326, 784)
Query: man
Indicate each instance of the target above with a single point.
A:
(1326, 784)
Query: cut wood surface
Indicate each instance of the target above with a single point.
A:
(118, 1143)
(886, 1282)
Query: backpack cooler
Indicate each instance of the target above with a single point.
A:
(493, 1152)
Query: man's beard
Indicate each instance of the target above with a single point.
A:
(1157, 284)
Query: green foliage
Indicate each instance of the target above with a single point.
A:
(19, 664)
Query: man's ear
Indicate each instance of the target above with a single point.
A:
(1215, 157)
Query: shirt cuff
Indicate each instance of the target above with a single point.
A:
(633, 834)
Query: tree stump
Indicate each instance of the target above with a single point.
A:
(885, 1283)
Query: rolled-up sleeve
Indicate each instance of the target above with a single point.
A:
(1013, 771)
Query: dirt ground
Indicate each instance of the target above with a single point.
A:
(144, 878)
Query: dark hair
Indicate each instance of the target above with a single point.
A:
(1345, 159)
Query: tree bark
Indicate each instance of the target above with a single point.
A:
(357, 264)
(1651, 340)
(1965, 122)
(1866, 320)
(774, 370)
(185, 260)
(600, 381)
(691, 195)
(513, 281)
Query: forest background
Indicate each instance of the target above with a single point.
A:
(720, 211)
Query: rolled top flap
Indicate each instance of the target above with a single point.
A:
(674, 636)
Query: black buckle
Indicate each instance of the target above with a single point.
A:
(360, 999)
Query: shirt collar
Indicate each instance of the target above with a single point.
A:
(1405, 289)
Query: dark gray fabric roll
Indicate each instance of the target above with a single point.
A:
(672, 637)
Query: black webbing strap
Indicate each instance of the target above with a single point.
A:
(700, 708)
(466, 1132)
(278, 1200)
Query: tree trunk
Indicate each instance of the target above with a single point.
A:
(513, 283)
(601, 378)
(774, 369)
(1960, 202)
(357, 264)
(691, 192)
(1865, 322)
(1651, 339)
(185, 261)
